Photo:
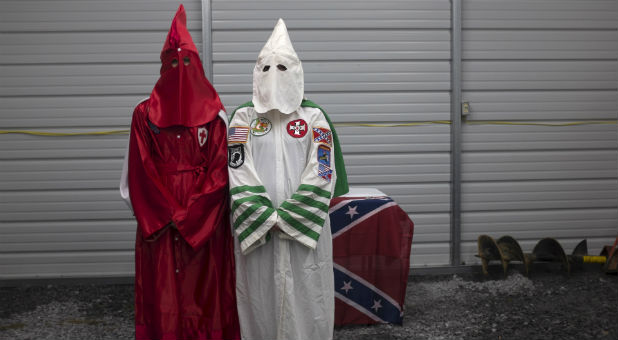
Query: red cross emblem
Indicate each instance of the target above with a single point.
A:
(297, 128)
(202, 135)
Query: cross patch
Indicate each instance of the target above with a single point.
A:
(202, 135)
(297, 128)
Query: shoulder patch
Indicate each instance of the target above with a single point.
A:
(322, 136)
(297, 128)
(236, 155)
(260, 126)
(324, 170)
(237, 134)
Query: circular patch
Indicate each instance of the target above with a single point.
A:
(297, 128)
(260, 126)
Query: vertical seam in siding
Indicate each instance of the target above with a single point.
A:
(455, 257)
(207, 38)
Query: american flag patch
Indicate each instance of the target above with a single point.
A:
(237, 134)
(325, 172)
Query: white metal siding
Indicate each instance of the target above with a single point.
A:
(82, 66)
(543, 61)
(364, 62)
(73, 66)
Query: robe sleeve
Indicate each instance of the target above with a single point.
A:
(303, 215)
(207, 208)
(341, 184)
(124, 179)
(253, 214)
(152, 205)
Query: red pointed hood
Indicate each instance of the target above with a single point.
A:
(183, 95)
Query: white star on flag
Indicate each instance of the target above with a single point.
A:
(376, 305)
(352, 211)
(347, 285)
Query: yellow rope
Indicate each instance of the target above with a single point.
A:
(433, 122)
(498, 122)
(448, 122)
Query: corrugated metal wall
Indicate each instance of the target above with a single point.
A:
(82, 66)
(545, 61)
(73, 66)
(364, 62)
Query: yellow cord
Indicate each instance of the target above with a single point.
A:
(433, 122)
(448, 122)
(498, 122)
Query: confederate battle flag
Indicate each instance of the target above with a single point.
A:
(371, 254)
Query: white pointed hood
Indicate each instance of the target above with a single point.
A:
(278, 81)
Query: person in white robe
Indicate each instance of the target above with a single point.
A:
(285, 165)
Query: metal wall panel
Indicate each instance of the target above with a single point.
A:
(539, 75)
(84, 47)
(61, 264)
(539, 44)
(541, 105)
(243, 14)
(545, 62)
(69, 66)
(69, 111)
(539, 15)
(364, 62)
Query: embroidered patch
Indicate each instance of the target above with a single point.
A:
(322, 136)
(297, 128)
(324, 170)
(260, 126)
(202, 135)
(236, 155)
(237, 134)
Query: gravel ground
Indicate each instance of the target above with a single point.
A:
(546, 306)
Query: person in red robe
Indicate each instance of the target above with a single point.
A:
(176, 179)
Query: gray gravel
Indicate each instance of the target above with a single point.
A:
(67, 312)
(546, 306)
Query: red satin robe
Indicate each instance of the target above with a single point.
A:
(184, 269)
